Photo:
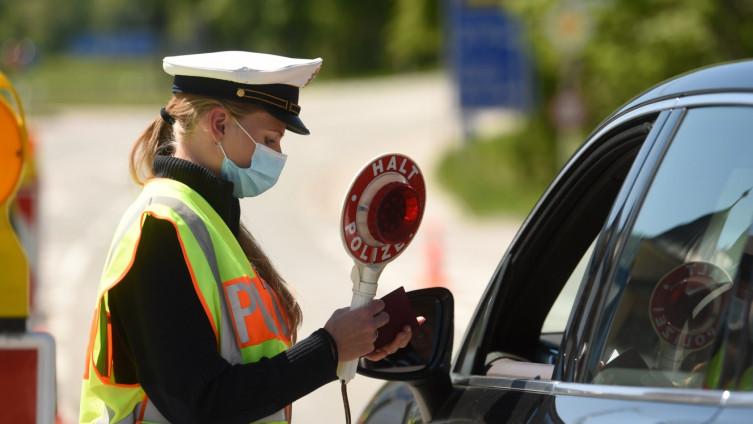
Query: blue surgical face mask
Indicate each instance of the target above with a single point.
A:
(260, 176)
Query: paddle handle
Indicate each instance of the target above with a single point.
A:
(347, 370)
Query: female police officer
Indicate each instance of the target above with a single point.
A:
(193, 323)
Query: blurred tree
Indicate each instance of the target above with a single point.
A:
(414, 34)
(39, 21)
(354, 37)
(627, 46)
(121, 15)
(590, 56)
(666, 38)
(184, 25)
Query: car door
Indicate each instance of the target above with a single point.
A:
(662, 328)
(651, 224)
(664, 331)
(507, 367)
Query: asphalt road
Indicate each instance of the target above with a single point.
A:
(85, 187)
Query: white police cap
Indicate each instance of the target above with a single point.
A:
(267, 80)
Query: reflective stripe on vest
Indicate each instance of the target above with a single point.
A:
(227, 349)
(243, 311)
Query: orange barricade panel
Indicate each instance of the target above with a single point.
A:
(18, 386)
(27, 378)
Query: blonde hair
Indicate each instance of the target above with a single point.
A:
(158, 139)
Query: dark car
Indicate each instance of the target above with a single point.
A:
(646, 239)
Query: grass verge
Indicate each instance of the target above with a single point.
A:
(97, 81)
(504, 175)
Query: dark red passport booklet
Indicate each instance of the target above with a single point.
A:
(401, 313)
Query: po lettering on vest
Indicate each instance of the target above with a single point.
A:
(254, 314)
(392, 165)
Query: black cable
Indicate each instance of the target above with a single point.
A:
(345, 401)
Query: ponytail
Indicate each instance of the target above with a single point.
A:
(156, 139)
(266, 270)
(159, 139)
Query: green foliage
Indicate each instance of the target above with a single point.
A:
(629, 46)
(665, 38)
(354, 37)
(93, 81)
(498, 174)
(414, 34)
(633, 45)
(38, 20)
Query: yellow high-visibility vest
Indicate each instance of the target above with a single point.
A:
(247, 318)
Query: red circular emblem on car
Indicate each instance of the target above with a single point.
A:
(686, 304)
(383, 209)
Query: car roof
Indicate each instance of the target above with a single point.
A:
(727, 77)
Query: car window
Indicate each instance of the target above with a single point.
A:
(502, 364)
(679, 269)
(556, 320)
(548, 261)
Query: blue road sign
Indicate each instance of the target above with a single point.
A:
(126, 43)
(489, 63)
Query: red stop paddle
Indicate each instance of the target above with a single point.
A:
(381, 215)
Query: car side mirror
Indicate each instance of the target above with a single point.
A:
(429, 349)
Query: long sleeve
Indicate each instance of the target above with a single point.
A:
(163, 340)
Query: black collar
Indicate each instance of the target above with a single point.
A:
(216, 191)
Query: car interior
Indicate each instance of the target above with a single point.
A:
(516, 343)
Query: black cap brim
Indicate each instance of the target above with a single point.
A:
(292, 122)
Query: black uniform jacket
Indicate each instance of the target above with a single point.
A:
(162, 338)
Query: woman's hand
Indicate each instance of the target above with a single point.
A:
(400, 341)
(355, 331)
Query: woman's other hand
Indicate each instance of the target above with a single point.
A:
(355, 331)
(400, 341)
